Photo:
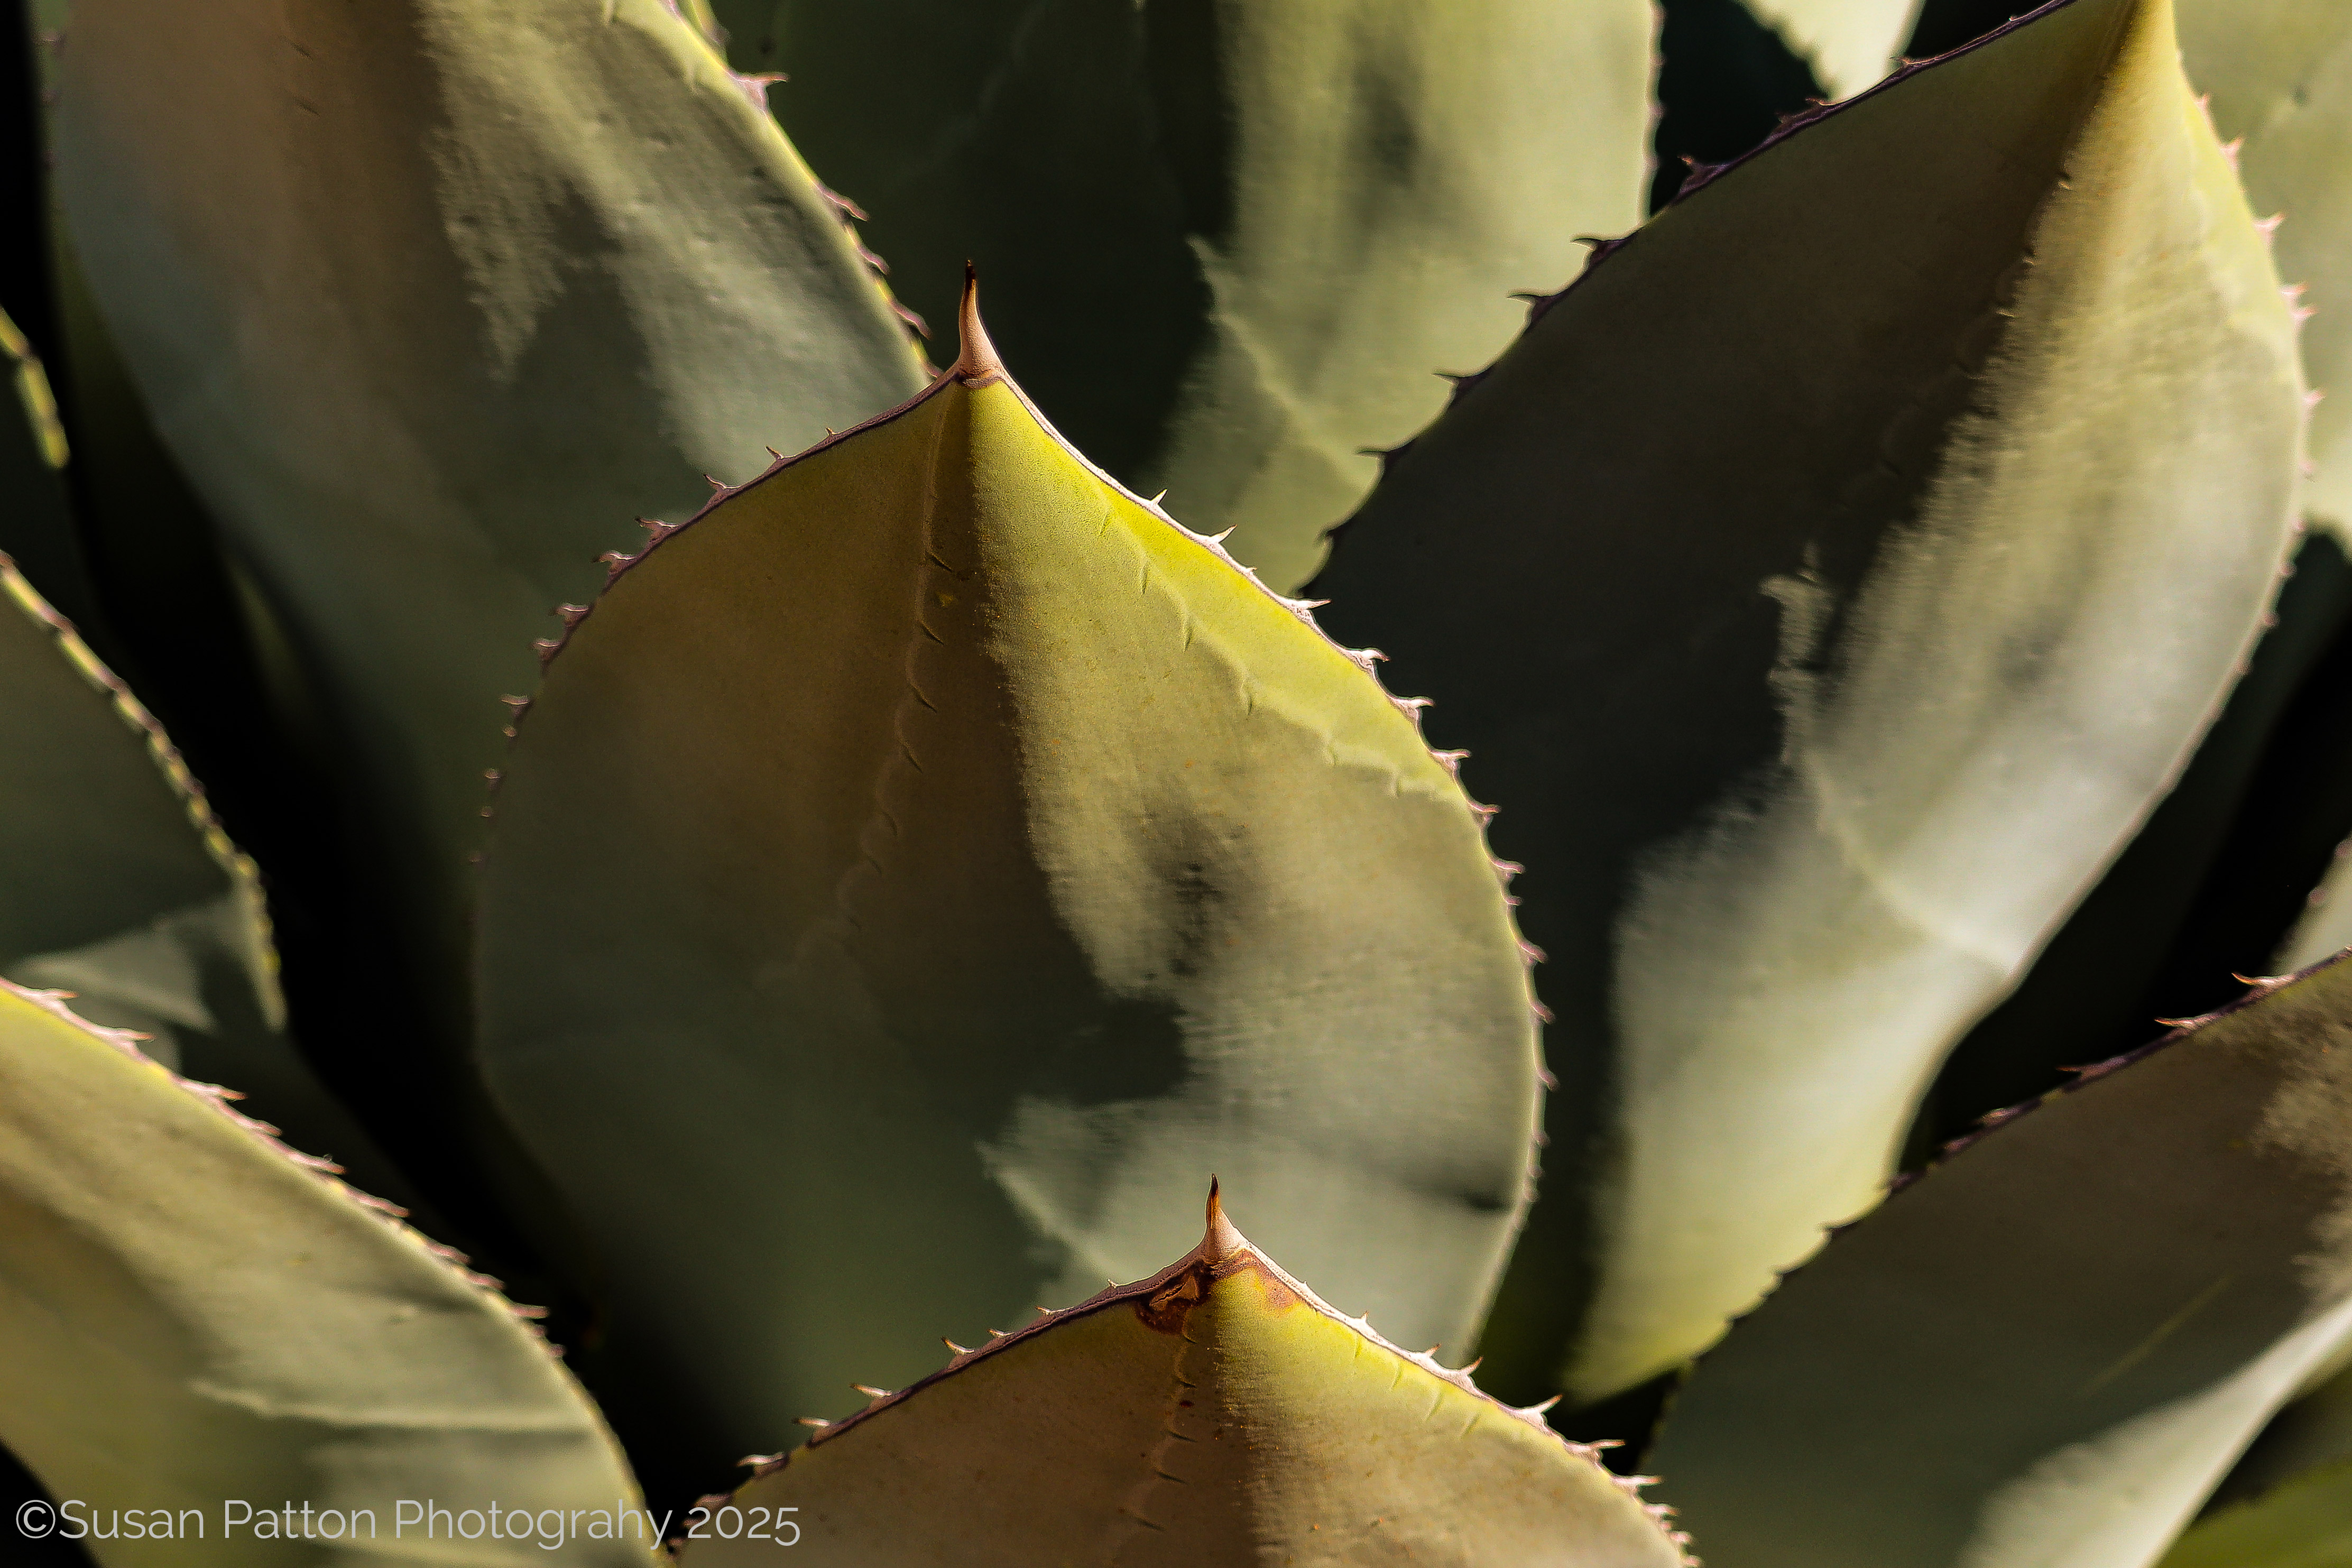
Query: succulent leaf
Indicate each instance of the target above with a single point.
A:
(1829, 625)
(2288, 1503)
(2313, 1432)
(2210, 884)
(2046, 1350)
(427, 300)
(2278, 74)
(191, 1313)
(1259, 229)
(118, 885)
(2306, 1523)
(1850, 43)
(2275, 71)
(943, 845)
(36, 528)
(1217, 1413)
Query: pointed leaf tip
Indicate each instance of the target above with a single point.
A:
(1222, 1240)
(976, 358)
(1355, 1451)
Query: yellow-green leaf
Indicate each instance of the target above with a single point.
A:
(192, 1316)
(429, 300)
(1849, 43)
(2045, 1351)
(118, 885)
(2304, 1522)
(1827, 585)
(2288, 1503)
(921, 869)
(36, 525)
(1229, 247)
(2275, 71)
(1216, 1413)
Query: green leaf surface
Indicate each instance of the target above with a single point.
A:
(1726, 82)
(1227, 245)
(2307, 1522)
(2276, 71)
(1215, 1414)
(1849, 43)
(2313, 1433)
(1827, 585)
(36, 529)
(938, 843)
(2210, 884)
(429, 300)
(2045, 1351)
(2279, 76)
(190, 1314)
(118, 885)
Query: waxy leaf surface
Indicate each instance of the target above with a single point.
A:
(190, 1314)
(428, 299)
(2279, 74)
(117, 884)
(2287, 1504)
(1216, 1413)
(2045, 1351)
(36, 528)
(1849, 43)
(916, 872)
(1229, 247)
(1825, 621)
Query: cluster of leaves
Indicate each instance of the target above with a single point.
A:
(1899, 594)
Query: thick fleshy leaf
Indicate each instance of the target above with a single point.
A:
(1215, 1414)
(36, 529)
(1849, 43)
(942, 844)
(190, 1314)
(1227, 245)
(188, 627)
(2313, 1432)
(2307, 1522)
(2210, 884)
(429, 300)
(2043, 1352)
(1726, 81)
(2276, 73)
(118, 885)
(2288, 1503)
(1828, 583)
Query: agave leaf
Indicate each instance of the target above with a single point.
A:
(1849, 43)
(2276, 74)
(36, 529)
(1828, 617)
(427, 300)
(2279, 77)
(2047, 1349)
(2314, 1432)
(1226, 245)
(118, 885)
(1946, 24)
(1726, 81)
(2211, 882)
(939, 842)
(1216, 1413)
(2307, 1522)
(190, 1313)
(2288, 1503)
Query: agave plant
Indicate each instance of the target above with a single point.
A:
(1896, 593)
